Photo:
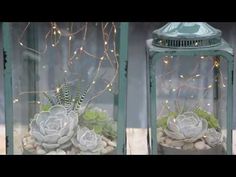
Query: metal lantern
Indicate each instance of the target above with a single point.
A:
(65, 87)
(190, 90)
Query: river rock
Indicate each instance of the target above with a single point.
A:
(200, 145)
(104, 144)
(188, 146)
(52, 153)
(168, 141)
(40, 151)
(177, 143)
(161, 140)
(29, 147)
(75, 150)
(111, 143)
(60, 152)
(107, 149)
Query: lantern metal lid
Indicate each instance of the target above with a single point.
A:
(186, 35)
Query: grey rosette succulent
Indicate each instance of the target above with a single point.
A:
(54, 128)
(87, 141)
(212, 137)
(187, 127)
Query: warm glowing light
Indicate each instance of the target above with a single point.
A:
(166, 61)
(209, 86)
(216, 64)
(15, 100)
(59, 32)
(105, 42)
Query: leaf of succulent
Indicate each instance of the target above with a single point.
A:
(45, 107)
(67, 97)
(211, 119)
(78, 94)
(110, 130)
(162, 121)
(59, 96)
(49, 98)
(81, 99)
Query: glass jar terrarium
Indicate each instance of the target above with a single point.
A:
(65, 87)
(190, 95)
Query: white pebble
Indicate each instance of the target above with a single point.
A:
(60, 152)
(188, 146)
(111, 143)
(104, 144)
(200, 145)
(29, 147)
(177, 143)
(168, 141)
(52, 153)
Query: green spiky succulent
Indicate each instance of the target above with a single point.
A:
(63, 96)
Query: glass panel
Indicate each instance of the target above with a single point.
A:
(64, 88)
(191, 104)
(2, 119)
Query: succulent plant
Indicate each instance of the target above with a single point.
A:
(54, 128)
(212, 137)
(187, 127)
(94, 119)
(87, 141)
(162, 121)
(110, 130)
(64, 97)
(210, 118)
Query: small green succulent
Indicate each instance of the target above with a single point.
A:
(45, 107)
(90, 115)
(210, 118)
(110, 130)
(162, 121)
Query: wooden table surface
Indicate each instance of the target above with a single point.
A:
(136, 141)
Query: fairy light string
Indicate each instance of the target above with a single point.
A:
(56, 33)
(195, 75)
